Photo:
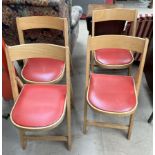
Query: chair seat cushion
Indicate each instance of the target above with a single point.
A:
(111, 93)
(113, 56)
(39, 105)
(43, 70)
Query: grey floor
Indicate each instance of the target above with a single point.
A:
(97, 141)
(141, 5)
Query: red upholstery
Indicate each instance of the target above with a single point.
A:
(43, 69)
(113, 56)
(112, 93)
(6, 84)
(39, 105)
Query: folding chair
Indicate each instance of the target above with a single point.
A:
(113, 58)
(115, 95)
(42, 70)
(39, 107)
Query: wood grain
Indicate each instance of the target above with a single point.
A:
(114, 41)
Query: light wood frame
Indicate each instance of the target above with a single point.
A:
(40, 22)
(121, 14)
(13, 53)
(114, 41)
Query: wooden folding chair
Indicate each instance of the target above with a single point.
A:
(113, 58)
(39, 107)
(113, 94)
(42, 70)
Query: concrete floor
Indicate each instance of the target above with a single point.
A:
(141, 5)
(97, 141)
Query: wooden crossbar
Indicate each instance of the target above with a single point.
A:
(108, 125)
(46, 138)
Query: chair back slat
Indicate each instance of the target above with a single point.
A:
(42, 22)
(35, 22)
(26, 51)
(114, 14)
(117, 41)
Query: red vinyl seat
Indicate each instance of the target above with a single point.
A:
(43, 70)
(111, 93)
(39, 105)
(113, 56)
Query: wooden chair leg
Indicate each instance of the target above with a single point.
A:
(130, 125)
(129, 70)
(71, 65)
(23, 140)
(92, 66)
(69, 126)
(85, 117)
(72, 103)
(92, 62)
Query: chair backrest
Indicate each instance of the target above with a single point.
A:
(41, 22)
(115, 14)
(131, 43)
(37, 50)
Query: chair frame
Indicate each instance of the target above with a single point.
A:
(114, 41)
(40, 22)
(13, 53)
(120, 14)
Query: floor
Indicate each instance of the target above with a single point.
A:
(141, 5)
(97, 141)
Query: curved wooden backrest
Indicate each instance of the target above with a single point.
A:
(137, 44)
(117, 41)
(36, 50)
(120, 14)
(33, 22)
(26, 51)
(39, 22)
(114, 14)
